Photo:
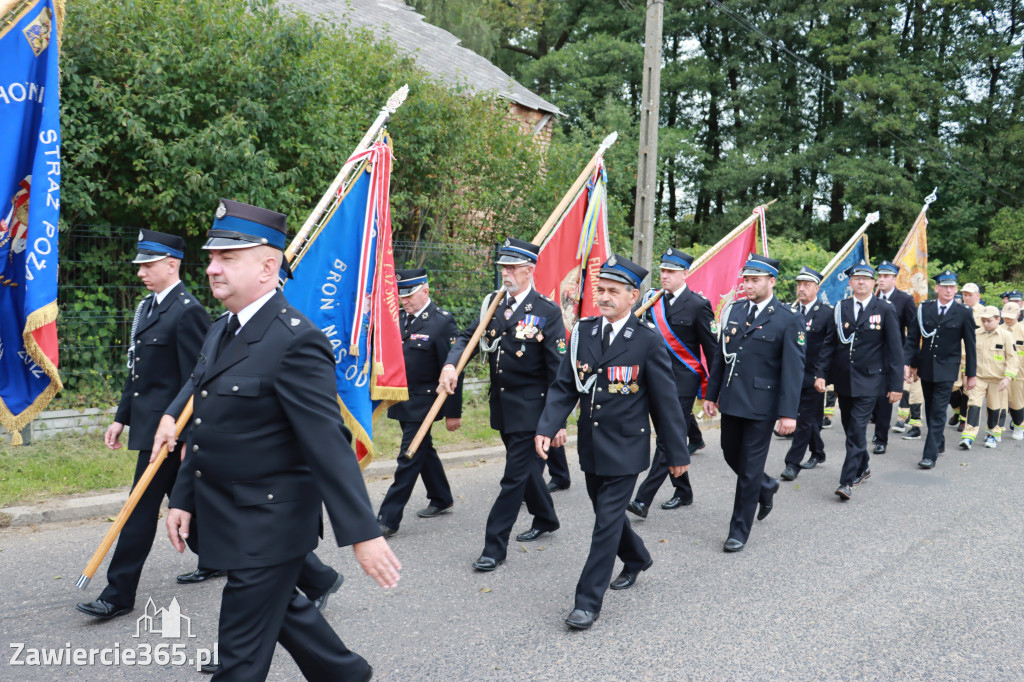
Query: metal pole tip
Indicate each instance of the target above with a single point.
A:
(83, 582)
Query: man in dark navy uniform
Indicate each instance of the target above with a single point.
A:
(167, 331)
(687, 326)
(428, 333)
(268, 450)
(933, 350)
(524, 343)
(819, 331)
(752, 384)
(909, 420)
(617, 371)
(867, 362)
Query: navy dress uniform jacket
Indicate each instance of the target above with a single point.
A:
(522, 368)
(938, 358)
(425, 345)
(819, 334)
(768, 354)
(906, 311)
(692, 320)
(166, 345)
(873, 364)
(614, 429)
(268, 445)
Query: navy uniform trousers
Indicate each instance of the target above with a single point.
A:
(936, 398)
(855, 413)
(425, 463)
(745, 444)
(659, 467)
(136, 538)
(558, 467)
(523, 480)
(808, 428)
(613, 536)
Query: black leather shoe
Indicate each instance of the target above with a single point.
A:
(694, 447)
(812, 462)
(369, 675)
(638, 508)
(913, 433)
(321, 602)
(789, 473)
(532, 534)
(874, 439)
(960, 427)
(879, 449)
(954, 420)
(552, 486)
(628, 578)
(676, 502)
(199, 575)
(766, 507)
(103, 610)
(209, 668)
(733, 545)
(863, 477)
(580, 619)
(926, 464)
(486, 563)
(942, 448)
(432, 511)
(844, 492)
(386, 531)
(826, 423)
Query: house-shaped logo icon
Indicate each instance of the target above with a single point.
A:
(166, 622)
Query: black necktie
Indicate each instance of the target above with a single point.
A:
(807, 309)
(607, 339)
(229, 334)
(408, 319)
(152, 305)
(669, 298)
(942, 310)
(752, 314)
(860, 309)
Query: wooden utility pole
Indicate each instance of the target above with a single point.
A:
(647, 167)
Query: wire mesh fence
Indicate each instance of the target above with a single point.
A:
(99, 290)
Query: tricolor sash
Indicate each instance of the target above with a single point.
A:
(678, 348)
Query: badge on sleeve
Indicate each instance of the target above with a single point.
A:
(561, 346)
(800, 339)
(714, 327)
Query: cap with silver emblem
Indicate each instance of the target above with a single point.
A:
(153, 246)
(242, 226)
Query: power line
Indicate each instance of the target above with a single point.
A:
(831, 85)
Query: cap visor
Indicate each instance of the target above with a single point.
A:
(149, 257)
(747, 272)
(216, 243)
(671, 266)
(513, 260)
(402, 293)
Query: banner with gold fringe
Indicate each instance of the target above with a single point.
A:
(913, 255)
(30, 147)
(347, 287)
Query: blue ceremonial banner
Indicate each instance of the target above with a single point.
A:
(29, 211)
(836, 286)
(347, 288)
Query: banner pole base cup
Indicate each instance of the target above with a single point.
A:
(83, 582)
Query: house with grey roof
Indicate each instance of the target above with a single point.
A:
(439, 53)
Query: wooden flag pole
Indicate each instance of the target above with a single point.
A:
(871, 219)
(485, 319)
(296, 244)
(720, 244)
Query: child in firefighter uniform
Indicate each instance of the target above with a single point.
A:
(997, 367)
(1011, 323)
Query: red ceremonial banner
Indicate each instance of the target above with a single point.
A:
(570, 259)
(718, 278)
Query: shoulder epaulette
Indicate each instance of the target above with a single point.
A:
(443, 311)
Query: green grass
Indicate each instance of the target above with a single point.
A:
(81, 463)
(63, 465)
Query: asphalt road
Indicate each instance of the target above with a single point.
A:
(918, 577)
